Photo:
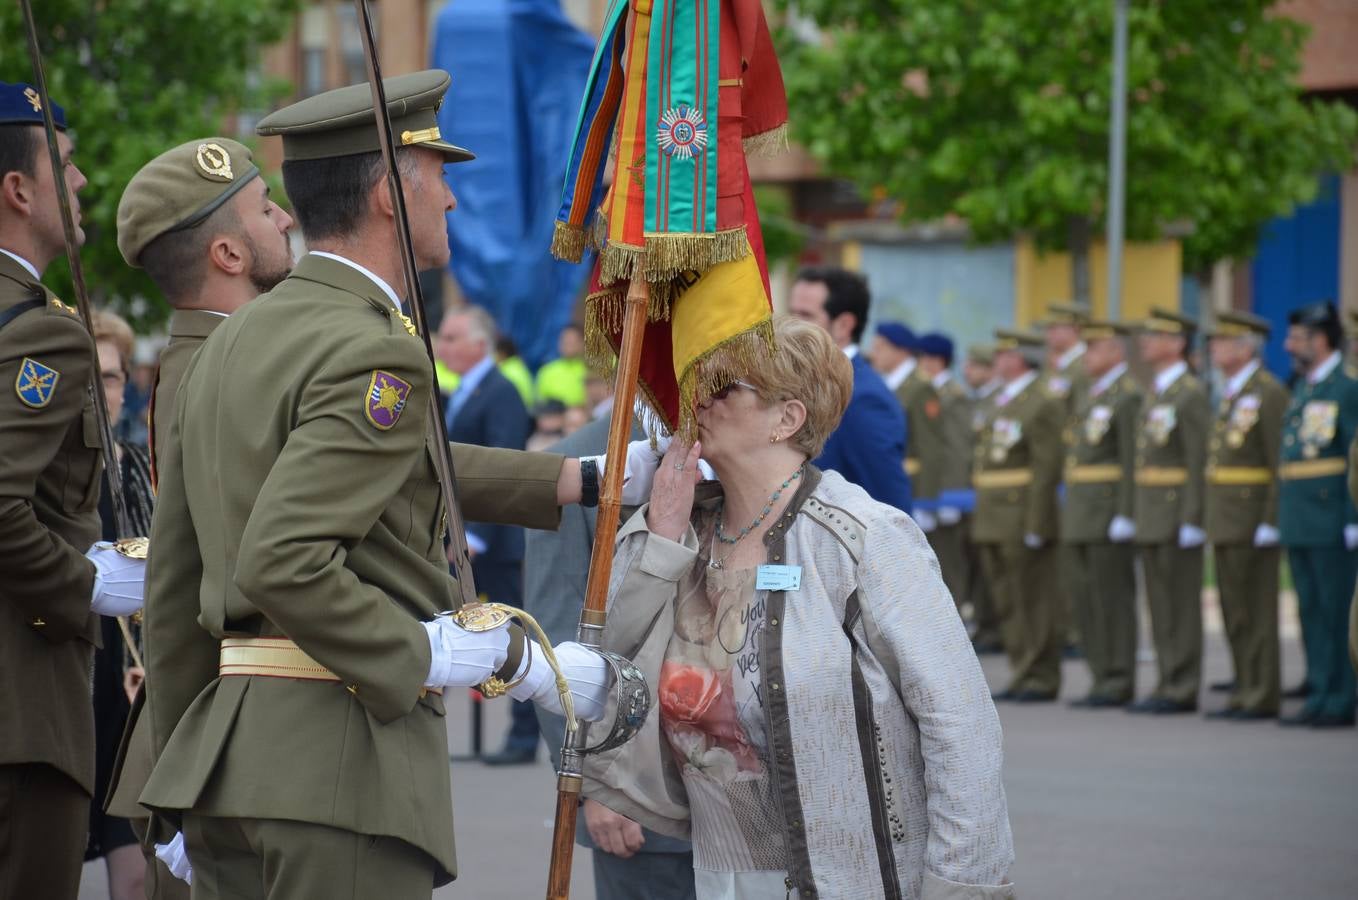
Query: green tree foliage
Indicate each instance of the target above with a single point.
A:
(137, 77)
(998, 111)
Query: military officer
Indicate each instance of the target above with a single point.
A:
(1242, 510)
(297, 497)
(1317, 517)
(1096, 521)
(935, 364)
(54, 580)
(893, 356)
(1016, 469)
(1171, 453)
(979, 374)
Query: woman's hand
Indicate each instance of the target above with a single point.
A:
(133, 676)
(672, 493)
(611, 832)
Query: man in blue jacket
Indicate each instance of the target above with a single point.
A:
(868, 447)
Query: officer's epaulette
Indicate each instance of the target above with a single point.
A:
(386, 310)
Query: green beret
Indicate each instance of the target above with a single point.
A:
(1238, 323)
(342, 122)
(1009, 339)
(179, 189)
(1064, 314)
(1167, 321)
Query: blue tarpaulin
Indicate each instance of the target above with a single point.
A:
(519, 69)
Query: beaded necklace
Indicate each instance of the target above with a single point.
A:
(759, 520)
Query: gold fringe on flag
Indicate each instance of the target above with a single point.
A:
(569, 243)
(728, 361)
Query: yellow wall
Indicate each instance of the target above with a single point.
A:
(1151, 276)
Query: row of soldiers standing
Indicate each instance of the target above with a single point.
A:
(1077, 471)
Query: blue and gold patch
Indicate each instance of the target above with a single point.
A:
(36, 383)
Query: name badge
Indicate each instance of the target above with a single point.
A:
(778, 578)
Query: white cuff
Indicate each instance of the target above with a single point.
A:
(585, 671)
(461, 658)
(1266, 535)
(1121, 530)
(176, 858)
(1191, 536)
(119, 581)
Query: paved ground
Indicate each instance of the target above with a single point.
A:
(1104, 805)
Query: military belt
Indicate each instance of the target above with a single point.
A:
(1101, 474)
(1313, 468)
(911, 467)
(1003, 478)
(1161, 476)
(1237, 475)
(276, 657)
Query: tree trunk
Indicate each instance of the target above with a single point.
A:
(1079, 261)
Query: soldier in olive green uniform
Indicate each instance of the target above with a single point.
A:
(893, 356)
(1353, 606)
(955, 496)
(1242, 511)
(298, 530)
(1017, 467)
(982, 386)
(1096, 519)
(1317, 517)
(1171, 455)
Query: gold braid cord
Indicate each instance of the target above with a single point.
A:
(488, 616)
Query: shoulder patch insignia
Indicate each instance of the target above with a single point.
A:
(385, 400)
(36, 383)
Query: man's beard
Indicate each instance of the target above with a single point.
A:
(264, 277)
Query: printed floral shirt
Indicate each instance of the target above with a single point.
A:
(712, 713)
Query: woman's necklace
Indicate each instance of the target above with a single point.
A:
(721, 536)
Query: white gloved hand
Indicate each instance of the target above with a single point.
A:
(585, 670)
(462, 658)
(1351, 537)
(1266, 535)
(1032, 541)
(642, 462)
(176, 858)
(949, 515)
(119, 581)
(1121, 530)
(925, 520)
(1191, 536)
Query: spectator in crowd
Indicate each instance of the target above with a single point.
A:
(514, 368)
(564, 377)
(549, 424)
(868, 447)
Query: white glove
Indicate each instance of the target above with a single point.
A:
(1351, 537)
(1032, 541)
(642, 462)
(462, 658)
(1121, 530)
(119, 581)
(585, 670)
(176, 858)
(925, 520)
(1266, 535)
(1191, 536)
(949, 515)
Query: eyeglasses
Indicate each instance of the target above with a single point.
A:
(724, 391)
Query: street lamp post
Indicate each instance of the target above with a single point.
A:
(1117, 160)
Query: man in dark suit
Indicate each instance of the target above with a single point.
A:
(486, 410)
(629, 861)
(868, 447)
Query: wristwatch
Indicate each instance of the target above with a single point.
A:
(589, 482)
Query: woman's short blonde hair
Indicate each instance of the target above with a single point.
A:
(807, 366)
(111, 327)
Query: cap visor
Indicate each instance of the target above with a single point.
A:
(451, 152)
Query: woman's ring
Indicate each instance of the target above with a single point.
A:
(679, 466)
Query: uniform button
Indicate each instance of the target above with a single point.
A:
(38, 623)
(774, 686)
(352, 688)
(773, 622)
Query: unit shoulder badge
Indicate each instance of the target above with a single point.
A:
(36, 383)
(386, 399)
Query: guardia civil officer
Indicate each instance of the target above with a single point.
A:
(1097, 518)
(1317, 516)
(294, 649)
(54, 580)
(1242, 511)
(1016, 469)
(1171, 454)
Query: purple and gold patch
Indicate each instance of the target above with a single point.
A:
(386, 398)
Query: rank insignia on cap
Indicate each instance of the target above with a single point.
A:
(32, 97)
(214, 162)
(386, 399)
(36, 383)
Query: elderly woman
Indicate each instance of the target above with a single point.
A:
(821, 726)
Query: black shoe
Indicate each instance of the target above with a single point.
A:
(1305, 717)
(1253, 715)
(987, 648)
(1229, 712)
(1300, 692)
(1148, 705)
(1003, 696)
(512, 756)
(1084, 702)
(1104, 702)
(1325, 720)
(1034, 697)
(1222, 687)
(1173, 707)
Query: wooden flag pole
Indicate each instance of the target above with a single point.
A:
(570, 776)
